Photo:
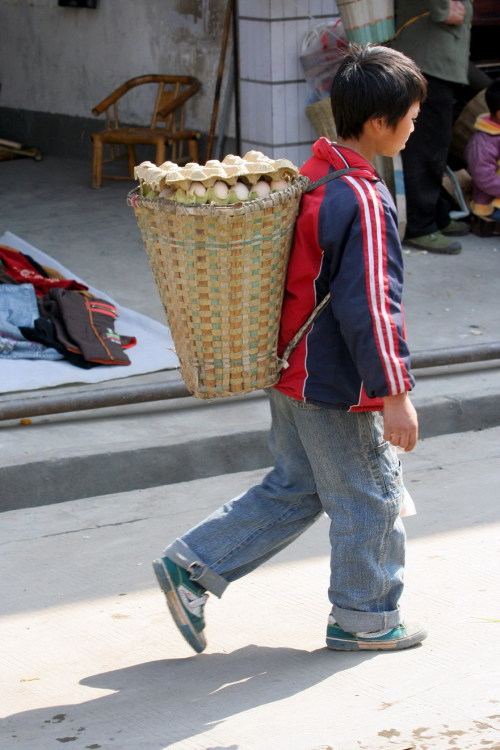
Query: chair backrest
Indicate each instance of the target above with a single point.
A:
(169, 106)
(168, 111)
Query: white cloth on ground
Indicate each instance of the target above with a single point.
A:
(153, 351)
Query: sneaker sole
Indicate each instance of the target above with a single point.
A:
(196, 640)
(451, 249)
(397, 644)
(459, 233)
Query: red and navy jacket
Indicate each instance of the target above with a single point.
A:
(346, 242)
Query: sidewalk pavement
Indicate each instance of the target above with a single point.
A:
(450, 301)
(91, 658)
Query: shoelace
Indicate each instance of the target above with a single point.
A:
(198, 602)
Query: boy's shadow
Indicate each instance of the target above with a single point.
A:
(161, 702)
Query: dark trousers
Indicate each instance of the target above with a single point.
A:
(424, 160)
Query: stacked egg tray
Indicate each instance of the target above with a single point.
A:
(220, 265)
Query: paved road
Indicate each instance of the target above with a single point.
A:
(90, 658)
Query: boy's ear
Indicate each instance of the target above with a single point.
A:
(375, 125)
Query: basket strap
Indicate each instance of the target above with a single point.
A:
(407, 23)
(328, 177)
(283, 360)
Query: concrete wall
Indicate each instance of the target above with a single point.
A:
(274, 92)
(57, 63)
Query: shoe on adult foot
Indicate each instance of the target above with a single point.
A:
(393, 639)
(185, 600)
(456, 229)
(435, 242)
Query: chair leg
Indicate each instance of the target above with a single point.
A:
(161, 152)
(131, 159)
(193, 149)
(175, 151)
(96, 162)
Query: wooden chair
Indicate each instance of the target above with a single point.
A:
(166, 129)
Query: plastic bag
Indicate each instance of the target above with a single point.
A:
(322, 51)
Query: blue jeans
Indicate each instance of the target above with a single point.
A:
(325, 461)
(18, 308)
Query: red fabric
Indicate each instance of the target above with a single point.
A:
(345, 242)
(20, 269)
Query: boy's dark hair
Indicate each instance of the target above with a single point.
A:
(374, 81)
(492, 96)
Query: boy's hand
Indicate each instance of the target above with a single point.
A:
(400, 421)
(456, 15)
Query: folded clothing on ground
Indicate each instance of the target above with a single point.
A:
(81, 327)
(19, 308)
(69, 321)
(21, 269)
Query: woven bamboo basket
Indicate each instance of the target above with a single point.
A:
(220, 271)
(464, 124)
(367, 20)
(320, 115)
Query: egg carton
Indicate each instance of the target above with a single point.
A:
(233, 171)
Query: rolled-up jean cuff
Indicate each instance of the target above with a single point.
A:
(186, 558)
(365, 622)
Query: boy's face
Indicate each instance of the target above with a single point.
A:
(393, 139)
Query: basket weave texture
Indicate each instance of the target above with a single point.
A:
(320, 115)
(220, 271)
(367, 20)
(464, 124)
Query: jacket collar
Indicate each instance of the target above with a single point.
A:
(485, 124)
(340, 157)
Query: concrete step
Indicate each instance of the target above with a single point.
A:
(81, 454)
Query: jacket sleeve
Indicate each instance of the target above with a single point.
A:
(482, 154)
(366, 287)
(439, 10)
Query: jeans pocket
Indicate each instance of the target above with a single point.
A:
(303, 405)
(388, 470)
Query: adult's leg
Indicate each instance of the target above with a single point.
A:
(424, 160)
(253, 527)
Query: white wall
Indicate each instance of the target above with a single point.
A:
(273, 89)
(66, 60)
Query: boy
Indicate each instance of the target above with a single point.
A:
(333, 451)
(483, 158)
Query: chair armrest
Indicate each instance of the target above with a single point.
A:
(195, 85)
(110, 99)
(121, 90)
(174, 103)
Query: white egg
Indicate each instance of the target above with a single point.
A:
(221, 189)
(262, 188)
(241, 190)
(279, 184)
(167, 192)
(198, 188)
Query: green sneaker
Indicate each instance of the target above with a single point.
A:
(393, 639)
(435, 243)
(456, 229)
(185, 600)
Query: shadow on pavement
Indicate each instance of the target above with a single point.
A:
(170, 700)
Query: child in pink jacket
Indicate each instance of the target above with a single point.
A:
(483, 158)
